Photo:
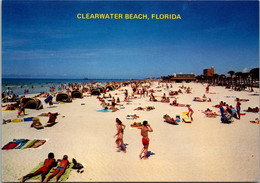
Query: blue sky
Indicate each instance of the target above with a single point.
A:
(44, 39)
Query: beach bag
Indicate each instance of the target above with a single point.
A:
(76, 164)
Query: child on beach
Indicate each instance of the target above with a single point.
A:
(21, 109)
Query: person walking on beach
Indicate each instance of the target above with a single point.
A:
(145, 140)
(190, 113)
(120, 131)
(47, 165)
(238, 107)
(64, 164)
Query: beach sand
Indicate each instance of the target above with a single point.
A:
(204, 150)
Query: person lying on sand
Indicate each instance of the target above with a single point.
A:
(47, 165)
(174, 103)
(249, 109)
(64, 164)
(255, 121)
(169, 119)
(139, 108)
(148, 108)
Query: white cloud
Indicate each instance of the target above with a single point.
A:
(245, 70)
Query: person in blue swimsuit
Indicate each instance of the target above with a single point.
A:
(64, 164)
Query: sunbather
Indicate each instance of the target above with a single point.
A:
(64, 164)
(249, 109)
(139, 108)
(169, 119)
(48, 164)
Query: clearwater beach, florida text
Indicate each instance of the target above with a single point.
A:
(117, 16)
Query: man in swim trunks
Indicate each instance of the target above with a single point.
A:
(64, 164)
(145, 140)
(48, 164)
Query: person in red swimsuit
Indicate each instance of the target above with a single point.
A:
(190, 113)
(48, 164)
(145, 140)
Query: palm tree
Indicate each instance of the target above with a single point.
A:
(222, 77)
(254, 75)
(245, 78)
(238, 78)
(231, 73)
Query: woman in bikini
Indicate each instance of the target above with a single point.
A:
(120, 131)
(190, 113)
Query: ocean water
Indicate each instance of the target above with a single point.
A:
(43, 85)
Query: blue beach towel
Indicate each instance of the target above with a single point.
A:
(104, 110)
(28, 119)
(22, 143)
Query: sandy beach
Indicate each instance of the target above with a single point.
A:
(204, 150)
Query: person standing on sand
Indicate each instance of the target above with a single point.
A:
(238, 107)
(207, 89)
(120, 131)
(48, 164)
(145, 140)
(64, 164)
(190, 113)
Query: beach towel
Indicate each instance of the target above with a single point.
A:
(28, 119)
(44, 114)
(10, 145)
(17, 120)
(22, 144)
(132, 116)
(30, 143)
(137, 125)
(186, 120)
(104, 110)
(63, 177)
